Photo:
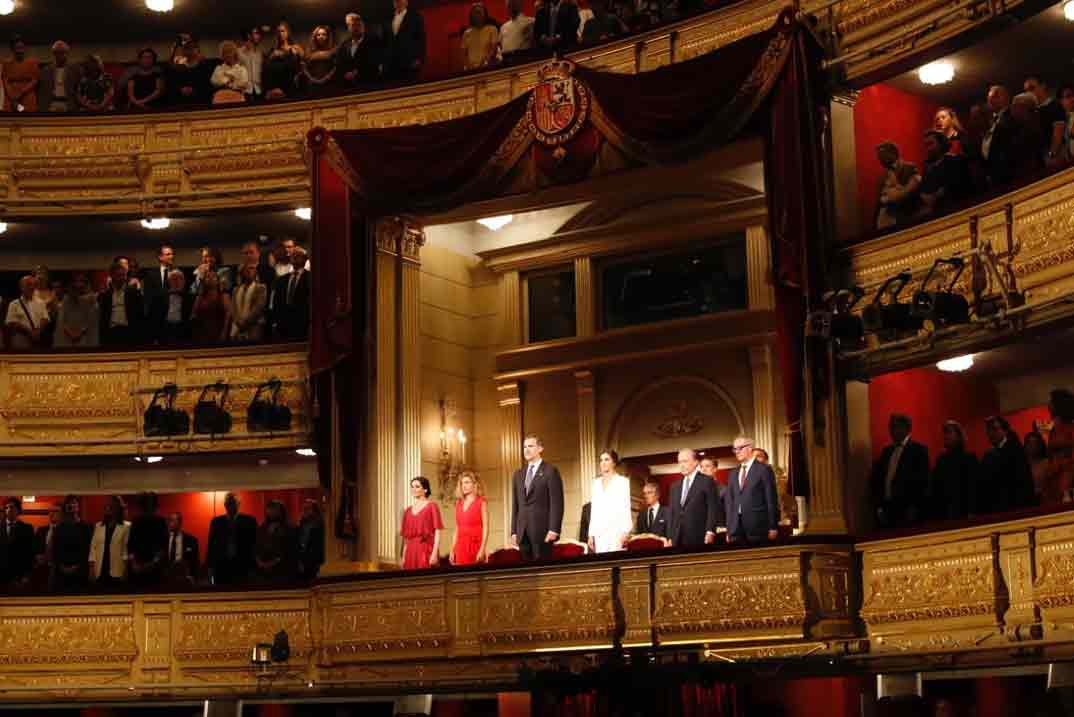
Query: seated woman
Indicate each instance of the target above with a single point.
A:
(76, 322)
(211, 315)
(280, 71)
(145, 88)
(480, 39)
(319, 65)
(230, 79)
(95, 90)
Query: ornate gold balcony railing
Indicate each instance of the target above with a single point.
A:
(79, 404)
(168, 163)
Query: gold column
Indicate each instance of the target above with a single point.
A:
(411, 241)
(386, 494)
(585, 310)
(844, 164)
(822, 417)
(509, 397)
(584, 381)
(512, 310)
(764, 420)
(762, 295)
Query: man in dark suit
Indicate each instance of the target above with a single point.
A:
(536, 503)
(231, 544)
(556, 25)
(16, 545)
(405, 53)
(1004, 481)
(170, 312)
(653, 518)
(44, 535)
(752, 503)
(583, 526)
(291, 301)
(999, 145)
(900, 478)
(121, 310)
(357, 60)
(694, 505)
(155, 280)
(182, 553)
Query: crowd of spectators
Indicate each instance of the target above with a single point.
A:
(153, 552)
(265, 298)
(1013, 474)
(1006, 140)
(268, 63)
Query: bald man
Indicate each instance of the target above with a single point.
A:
(693, 503)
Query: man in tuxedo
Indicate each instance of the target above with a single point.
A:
(16, 545)
(406, 44)
(751, 499)
(231, 544)
(121, 310)
(653, 518)
(357, 60)
(556, 25)
(694, 505)
(291, 301)
(182, 554)
(155, 280)
(1004, 480)
(536, 503)
(900, 477)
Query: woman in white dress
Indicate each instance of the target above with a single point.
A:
(609, 518)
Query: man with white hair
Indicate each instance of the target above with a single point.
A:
(751, 500)
(58, 89)
(693, 503)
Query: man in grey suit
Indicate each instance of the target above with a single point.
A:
(536, 503)
(752, 504)
(693, 503)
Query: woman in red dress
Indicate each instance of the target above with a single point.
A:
(471, 521)
(421, 528)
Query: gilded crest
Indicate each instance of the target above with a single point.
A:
(559, 104)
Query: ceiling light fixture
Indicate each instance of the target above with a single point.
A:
(1068, 11)
(954, 365)
(149, 459)
(304, 213)
(306, 452)
(3, 227)
(158, 223)
(936, 73)
(7, 7)
(160, 5)
(496, 223)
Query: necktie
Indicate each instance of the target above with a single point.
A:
(742, 477)
(685, 489)
(174, 552)
(652, 516)
(291, 287)
(529, 477)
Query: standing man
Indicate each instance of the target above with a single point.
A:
(155, 283)
(231, 544)
(120, 309)
(556, 25)
(901, 476)
(182, 555)
(536, 503)
(357, 61)
(291, 301)
(694, 509)
(16, 545)
(252, 59)
(653, 518)
(406, 44)
(58, 89)
(752, 503)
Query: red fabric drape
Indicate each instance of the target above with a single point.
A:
(331, 337)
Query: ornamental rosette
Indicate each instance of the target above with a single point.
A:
(317, 139)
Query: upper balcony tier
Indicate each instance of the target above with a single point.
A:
(174, 162)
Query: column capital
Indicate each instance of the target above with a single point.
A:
(401, 236)
(509, 394)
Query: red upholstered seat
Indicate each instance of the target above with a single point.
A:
(645, 543)
(569, 549)
(505, 556)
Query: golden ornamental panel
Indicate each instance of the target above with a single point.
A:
(1053, 588)
(52, 633)
(226, 631)
(386, 623)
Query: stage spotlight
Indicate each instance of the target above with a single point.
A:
(160, 5)
(942, 306)
(7, 7)
(210, 415)
(891, 316)
(304, 213)
(162, 418)
(268, 414)
(835, 320)
(157, 223)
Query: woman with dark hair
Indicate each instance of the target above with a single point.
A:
(281, 67)
(609, 512)
(1062, 154)
(1061, 444)
(108, 548)
(319, 64)
(210, 318)
(421, 528)
(212, 259)
(953, 474)
(1040, 468)
(479, 39)
(70, 548)
(145, 88)
(274, 551)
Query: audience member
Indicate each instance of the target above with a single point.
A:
(998, 146)
(291, 301)
(188, 74)
(230, 556)
(900, 477)
(279, 74)
(70, 548)
(405, 51)
(252, 59)
(274, 548)
(1061, 446)
(251, 254)
(27, 318)
(78, 320)
(210, 319)
(182, 554)
(43, 537)
(653, 517)
(479, 40)
(947, 122)
(946, 180)
(694, 504)
(1064, 153)
(108, 554)
(58, 86)
(148, 543)
(1052, 117)
(230, 79)
(20, 76)
(121, 310)
(952, 476)
(517, 33)
(319, 64)
(16, 546)
(471, 521)
(309, 539)
(172, 313)
(603, 25)
(1004, 482)
(421, 528)
(556, 25)
(357, 59)
(898, 187)
(249, 303)
(609, 523)
(145, 86)
(752, 505)
(155, 280)
(95, 91)
(536, 502)
(1039, 468)
(1030, 146)
(212, 260)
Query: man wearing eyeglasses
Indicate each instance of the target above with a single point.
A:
(751, 501)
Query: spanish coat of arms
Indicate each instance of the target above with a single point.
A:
(559, 104)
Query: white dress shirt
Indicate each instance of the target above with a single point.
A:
(30, 315)
(119, 308)
(397, 21)
(516, 34)
(233, 77)
(743, 472)
(893, 465)
(175, 548)
(252, 60)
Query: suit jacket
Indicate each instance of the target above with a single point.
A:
(153, 287)
(17, 552)
(117, 556)
(655, 527)
(135, 313)
(1004, 481)
(909, 484)
(541, 510)
(365, 61)
(406, 46)
(227, 569)
(567, 23)
(291, 319)
(41, 540)
(700, 514)
(755, 506)
(46, 87)
(1002, 160)
(159, 328)
(190, 554)
(583, 527)
(309, 544)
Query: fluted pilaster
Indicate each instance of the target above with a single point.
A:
(512, 309)
(762, 295)
(585, 309)
(411, 241)
(764, 420)
(509, 398)
(585, 382)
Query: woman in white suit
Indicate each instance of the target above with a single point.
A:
(109, 536)
(609, 519)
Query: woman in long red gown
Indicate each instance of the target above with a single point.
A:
(421, 528)
(471, 521)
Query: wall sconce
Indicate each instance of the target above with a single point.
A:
(452, 450)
